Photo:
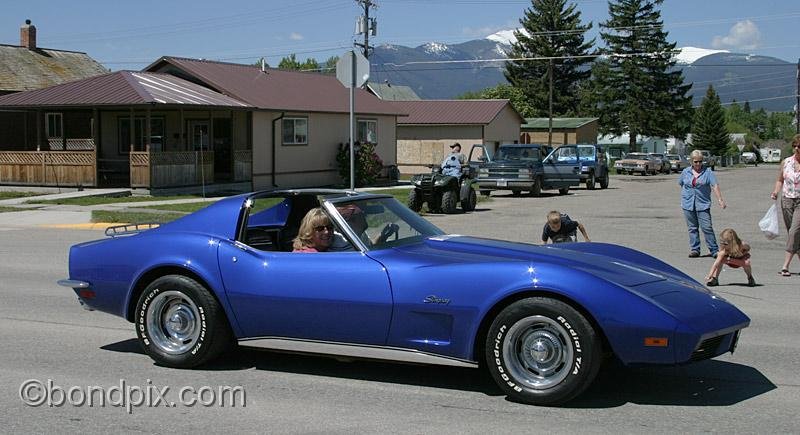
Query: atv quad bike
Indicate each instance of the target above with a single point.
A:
(442, 192)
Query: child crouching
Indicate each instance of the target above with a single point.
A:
(734, 253)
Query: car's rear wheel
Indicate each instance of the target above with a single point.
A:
(449, 200)
(590, 181)
(604, 181)
(563, 190)
(542, 351)
(179, 322)
(516, 192)
(414, 201)
(486, 193)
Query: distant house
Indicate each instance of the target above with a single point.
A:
(386, 91)
(616, 146)
(187, 122)
(425, 135)
(26, 66)
(565, 130)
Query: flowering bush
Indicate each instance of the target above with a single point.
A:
(368, 165)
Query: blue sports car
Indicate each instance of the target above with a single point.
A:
(540, 319)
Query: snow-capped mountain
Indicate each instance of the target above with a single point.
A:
(407, 66)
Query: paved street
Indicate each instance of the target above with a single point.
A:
(45, 335)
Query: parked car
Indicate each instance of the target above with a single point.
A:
(662, 162)
(749, 157)
(677, 162)
(709, 160)
(637, 162)
(526, 167)
(594, 168)
(539, 318)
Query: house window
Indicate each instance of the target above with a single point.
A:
(140, 138)
(295, 131)
(55, 125)
(367, 131)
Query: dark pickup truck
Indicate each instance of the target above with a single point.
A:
(526, 167)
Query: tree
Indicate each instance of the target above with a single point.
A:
(289, 62)
(516, 97)
(551, 29)
(709, 131)
(636, 88)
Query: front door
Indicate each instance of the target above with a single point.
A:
(328, 296)
(562, 168)
(198, 136)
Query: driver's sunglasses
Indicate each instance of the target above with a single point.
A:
(697, 161)
(321, 228)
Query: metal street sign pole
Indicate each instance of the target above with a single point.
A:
(352, 121)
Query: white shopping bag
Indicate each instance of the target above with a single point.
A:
(769, 223)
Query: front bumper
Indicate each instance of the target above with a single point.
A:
(504, 184)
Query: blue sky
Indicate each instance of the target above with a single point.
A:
(130, 35)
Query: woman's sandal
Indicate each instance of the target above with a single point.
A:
(785, 272)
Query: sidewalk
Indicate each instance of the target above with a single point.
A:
(80, 216)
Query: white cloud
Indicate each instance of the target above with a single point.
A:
(744, 35)
(295, 36)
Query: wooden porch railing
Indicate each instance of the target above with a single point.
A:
(242, 165)
(48, 168)
(154, 169)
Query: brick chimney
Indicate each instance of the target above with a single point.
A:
(27, 35)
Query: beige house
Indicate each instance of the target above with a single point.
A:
(196, 125)
(425, 135)
(564, 130)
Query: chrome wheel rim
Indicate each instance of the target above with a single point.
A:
(538, 352)
(173, 322)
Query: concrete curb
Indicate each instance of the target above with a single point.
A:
(85, 226)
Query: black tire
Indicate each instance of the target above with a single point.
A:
(564, 363)
(486, 193)
(449, 200)
(590, 182)
(435, 203)
(180, 324)
(604, 181)
(563, 190)
(468, 203)
(414, 201)
(516, 192)
(621, 171)
(537, 187)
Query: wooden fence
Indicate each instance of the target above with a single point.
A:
(153, 169)
(49, 168)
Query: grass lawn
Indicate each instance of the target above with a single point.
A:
(99, 200)
(9, 209)
(169, 212)
(9, 195)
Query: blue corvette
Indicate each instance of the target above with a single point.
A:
(540, 319)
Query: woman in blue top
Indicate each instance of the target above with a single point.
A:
(696, 183)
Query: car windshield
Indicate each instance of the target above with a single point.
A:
(368, 218)
(518, 153)
(636, 156)
(586, 152)
(673, 157)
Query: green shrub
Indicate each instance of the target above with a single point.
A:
(368, 165)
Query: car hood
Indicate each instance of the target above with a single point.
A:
(506, 162)
(616, 264)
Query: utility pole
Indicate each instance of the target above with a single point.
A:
(366, 26)
(550, 110)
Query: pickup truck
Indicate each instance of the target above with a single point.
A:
(594, 167)
(526, 167)
(709, 161)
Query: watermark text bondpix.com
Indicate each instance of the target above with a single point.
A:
(35, 393)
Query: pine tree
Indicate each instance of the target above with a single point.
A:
(636, 88)
(550, 29)
(709, 131)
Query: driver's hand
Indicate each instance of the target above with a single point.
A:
(388, 230)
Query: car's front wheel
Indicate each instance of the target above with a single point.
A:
(563, 190)
(179, 322)
(542, 351)
(590, 181)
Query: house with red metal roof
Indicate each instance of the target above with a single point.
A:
(425, 135)
(188, 123)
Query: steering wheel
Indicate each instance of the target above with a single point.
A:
(387, 231)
